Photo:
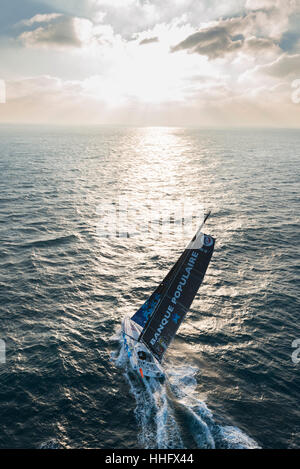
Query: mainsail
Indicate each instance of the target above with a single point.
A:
(143, 315)
(166, 308)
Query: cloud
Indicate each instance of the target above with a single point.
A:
(271, 4)
(44, 99)
(260, 44)
(149, 40)
(89, 64)
(283, 67)
(58, 31)
(225, 37)
(281, 71)
(214, 41)
(129, 17)
(259, 29)
(215, 103)
(273, 17)
(46, 18)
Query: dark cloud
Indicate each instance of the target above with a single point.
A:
(59, 32)
(259, 44)
(225, 37)
(214, 41)
(149, 40)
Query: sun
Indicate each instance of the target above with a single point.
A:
(146, 74)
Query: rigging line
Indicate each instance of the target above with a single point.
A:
(130, 336)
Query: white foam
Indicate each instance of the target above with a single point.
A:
(234, 438)
(156, 417)
(200, 431)
(51, 444)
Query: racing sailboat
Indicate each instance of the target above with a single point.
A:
(149, 332)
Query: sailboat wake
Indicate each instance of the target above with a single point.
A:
(170, 416)
(154, 414)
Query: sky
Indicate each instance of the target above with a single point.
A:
(211, 63)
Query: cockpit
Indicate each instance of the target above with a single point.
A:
(142, 355)
(146, 364)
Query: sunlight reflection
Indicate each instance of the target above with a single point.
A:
(152, 183)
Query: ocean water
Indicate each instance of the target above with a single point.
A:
(65, 285)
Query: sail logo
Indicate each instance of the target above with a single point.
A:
(176, 318)
(162, 325)
(148, 308)
(208, 241)
(175, 298)
(185, 277)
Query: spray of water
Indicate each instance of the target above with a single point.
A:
(169, 414)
